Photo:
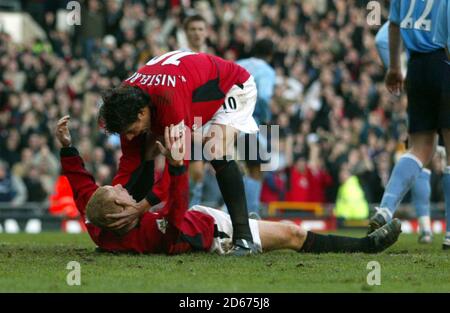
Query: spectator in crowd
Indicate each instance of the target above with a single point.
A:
(12, 188)
(10, 152)
(92, 28)
(308, 179)
(35, 188)
(351, 202)
(298, 188)
(274, 187)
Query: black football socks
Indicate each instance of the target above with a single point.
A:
(318, 243)
(231, 184)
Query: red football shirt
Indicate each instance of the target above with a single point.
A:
(183, 85)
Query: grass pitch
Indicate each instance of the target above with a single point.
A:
(37, 263)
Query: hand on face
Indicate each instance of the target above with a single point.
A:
(62, 131)
(129, 216)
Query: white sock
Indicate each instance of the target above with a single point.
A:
(424, 224)
(386, 213)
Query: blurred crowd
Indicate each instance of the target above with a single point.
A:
(338, 123)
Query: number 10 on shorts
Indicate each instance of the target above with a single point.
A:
(230, 104)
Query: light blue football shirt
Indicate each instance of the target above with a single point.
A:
(417, 20)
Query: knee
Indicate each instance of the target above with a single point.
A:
(423, 154)
(214, 149)
(296, 235)
(197, 171)
(219, 142)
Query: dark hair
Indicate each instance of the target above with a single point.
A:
(121, 107)
(263, 48)
(193, 18)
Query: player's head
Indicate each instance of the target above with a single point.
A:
(195, 28)
(125, 111)
(102, 203)
(264, 49)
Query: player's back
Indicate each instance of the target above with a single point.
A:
(174, 69)
(186, 69)
(184, 84)
(417, 20)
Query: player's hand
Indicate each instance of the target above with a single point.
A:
(174, 147)
(394, 81)
(130, 215)
(62, 131)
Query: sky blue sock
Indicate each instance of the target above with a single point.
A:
(420, 192)
(446, 186)
(404, 174)
(253, 193)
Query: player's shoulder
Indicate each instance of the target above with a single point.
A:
(260, 64)
(201, 59)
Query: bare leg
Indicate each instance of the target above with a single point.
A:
(219, 141)
(423, 145)
(275, 236)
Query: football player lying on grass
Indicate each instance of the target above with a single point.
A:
(175, 229)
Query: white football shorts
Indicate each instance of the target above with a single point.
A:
(237, 110)
(222, 242)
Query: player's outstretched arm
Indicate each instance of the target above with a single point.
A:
(81, 181)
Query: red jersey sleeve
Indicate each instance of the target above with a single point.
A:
(81, 181)
(188, 230)
(178, 200)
